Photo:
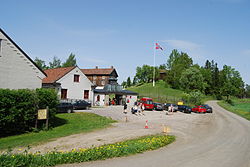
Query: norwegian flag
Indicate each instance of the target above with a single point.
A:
(157, 46)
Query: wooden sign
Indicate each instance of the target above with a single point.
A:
(42, 114)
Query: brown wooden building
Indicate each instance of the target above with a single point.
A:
(100, 76)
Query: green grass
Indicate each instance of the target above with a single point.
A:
(160, 93)
(119, 149)
(240, 107)
(67, 124)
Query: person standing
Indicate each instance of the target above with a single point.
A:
(125, 108)
(142, 109)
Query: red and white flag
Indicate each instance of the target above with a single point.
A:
(157, 46)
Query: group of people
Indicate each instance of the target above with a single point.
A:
(137, 109)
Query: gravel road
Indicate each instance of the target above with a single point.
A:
(221, 139)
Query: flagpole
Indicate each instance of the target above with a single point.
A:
(154, 67)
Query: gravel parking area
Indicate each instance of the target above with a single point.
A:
(122, 130)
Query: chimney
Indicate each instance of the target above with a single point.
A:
(112, 67)
(96, 67)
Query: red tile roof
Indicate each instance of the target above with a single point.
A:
(56, 73)
(98, 71)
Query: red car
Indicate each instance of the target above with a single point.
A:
(199, 109)
(148, 103)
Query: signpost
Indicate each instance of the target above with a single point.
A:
(43, 114)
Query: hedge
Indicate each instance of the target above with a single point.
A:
(18, 109)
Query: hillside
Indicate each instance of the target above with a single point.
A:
(160, 93)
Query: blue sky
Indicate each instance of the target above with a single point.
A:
(121, 33)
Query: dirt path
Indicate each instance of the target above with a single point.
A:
(219, 139)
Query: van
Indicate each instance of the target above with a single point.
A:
(147, 102)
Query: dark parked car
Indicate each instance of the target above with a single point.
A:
(158, 106)
(65, 107)
(185, 109)
(167, 105)
(208, 108)
(81, 104)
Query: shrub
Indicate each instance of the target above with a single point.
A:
(193, 97)
(18, 109)
(48, 97)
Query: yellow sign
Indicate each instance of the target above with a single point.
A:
(42, 114)
(180, 103)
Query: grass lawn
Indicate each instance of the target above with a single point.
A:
(240, 107)
(160, 93)
(67, 124)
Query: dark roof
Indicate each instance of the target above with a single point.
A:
(56, 73)
(21, 50)
(121, 92)
(99, 71)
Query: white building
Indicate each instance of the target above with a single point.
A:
(70, 83)
(17, 69)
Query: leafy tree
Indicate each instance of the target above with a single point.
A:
(232, 82)
(135, 81)
(163, 67)
(207, 75)
(128, 82)
(176, 64)
(247, 91)
(144, 74)
(40, 63)
(71, 61)
(192, 79)
(124, 84)
(56, 63)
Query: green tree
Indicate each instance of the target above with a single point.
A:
(128, 82)
(247, 91)
(124, 84)
(40, 63)
(135, 81)
(71, 61)
(176, 64)
(144, 74)
(192, 79)
(207, 75)
(232, 84)
(56, 63)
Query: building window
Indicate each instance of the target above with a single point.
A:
(94, 77)
(103, 77)
(94, 82)
(103, 82)
(63, 93)
(86, 94)
(76, 78)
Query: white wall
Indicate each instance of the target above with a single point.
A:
(75, 90)
(16, 71)
(132, 99)
(102, 99)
